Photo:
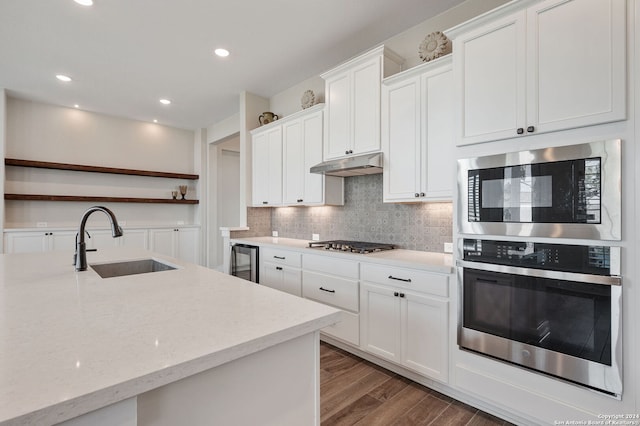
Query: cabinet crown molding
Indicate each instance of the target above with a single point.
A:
(441, 62)
(376, 51)
(489, 16)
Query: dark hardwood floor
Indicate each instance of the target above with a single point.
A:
(356, 392)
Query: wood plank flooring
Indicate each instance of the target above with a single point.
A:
(356, 392)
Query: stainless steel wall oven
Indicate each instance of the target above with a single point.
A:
(549, 307)
(570, 191)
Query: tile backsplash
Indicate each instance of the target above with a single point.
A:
(364, 217)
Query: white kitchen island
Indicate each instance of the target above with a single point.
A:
(186, 346)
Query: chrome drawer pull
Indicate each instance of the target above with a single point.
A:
(328, 291)
(406, 280)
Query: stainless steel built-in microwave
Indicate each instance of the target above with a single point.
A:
(568, 192)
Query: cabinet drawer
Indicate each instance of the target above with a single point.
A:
(280, 257)
(331, 290)
(348, 329)
(425, 282)
(330, 265)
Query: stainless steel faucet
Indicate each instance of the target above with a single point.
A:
(80, 258)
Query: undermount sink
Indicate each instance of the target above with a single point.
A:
(119, 269)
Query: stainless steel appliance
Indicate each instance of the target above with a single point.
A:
(570, 191)
(244, 262)
(549, 307)
(351, 246)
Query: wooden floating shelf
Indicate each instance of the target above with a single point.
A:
(37, 197)
(96, 169)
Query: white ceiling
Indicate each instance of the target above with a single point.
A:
(124, 55)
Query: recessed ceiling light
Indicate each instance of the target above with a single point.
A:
(223, 53)
(165, 101)
(85, 2)
(155, 121)
(76, 106)
(64, 78)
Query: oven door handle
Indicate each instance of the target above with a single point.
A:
(542, 273)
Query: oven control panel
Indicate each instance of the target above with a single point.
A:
(559, 257)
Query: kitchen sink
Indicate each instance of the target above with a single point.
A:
(119, 269)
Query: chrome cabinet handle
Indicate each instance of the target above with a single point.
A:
(406, 280)
(328, 291)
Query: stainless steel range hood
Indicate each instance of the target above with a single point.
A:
(365, 164)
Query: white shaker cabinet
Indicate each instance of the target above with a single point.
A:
(267, 167)
(352, 97)
(418, 134)
(556, 65)
(302, 149)
(404, 317)
(280, 269)
(39, 241)
(181, 243)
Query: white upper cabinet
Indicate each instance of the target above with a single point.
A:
(302, 149)
(283, 153)
(557, 65)
(352, 96)
(418, 135)
(267, 167)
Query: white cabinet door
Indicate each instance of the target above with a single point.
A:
(380, 321)
(282, 278)
(577, 70)
(352, 96)
(294, 165)
(181, 243)
(490, 64)
(162, 241)
(438, 162)
(62, 240)
(425, 328)
(26, 242)
(418, 134)
(365, 106)
(188, 245)
(337, 124)
(267, 167)
(401, 126)
(136, 238)
(314, 184)
(557, 65)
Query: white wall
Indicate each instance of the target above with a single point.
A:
(36, 131)
(405, 44)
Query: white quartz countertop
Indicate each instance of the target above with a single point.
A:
(73, 342)
(428, 261)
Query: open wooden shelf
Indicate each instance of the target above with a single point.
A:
(96, 169)
(37, 197)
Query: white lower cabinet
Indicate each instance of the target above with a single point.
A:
(280, 269)
(39, 241)
(404, 318)
(181, 243)
(334, 282)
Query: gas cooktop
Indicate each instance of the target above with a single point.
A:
(350, 246)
